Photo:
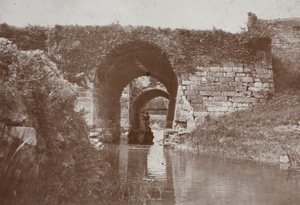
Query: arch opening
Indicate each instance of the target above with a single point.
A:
(141, 102)
(129, 96)
(122, 65)
(158, 111)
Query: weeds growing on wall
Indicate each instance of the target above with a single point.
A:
(79, 49)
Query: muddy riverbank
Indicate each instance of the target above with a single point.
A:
(267, 133)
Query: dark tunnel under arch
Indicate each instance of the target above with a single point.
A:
(142, 100)
(123, 64)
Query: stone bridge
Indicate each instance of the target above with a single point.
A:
(209, 91)
(204, 73)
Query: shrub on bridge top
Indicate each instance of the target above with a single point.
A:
(79, 49)
(47, 96)
(27, 38)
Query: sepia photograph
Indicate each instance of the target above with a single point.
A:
(152, 102)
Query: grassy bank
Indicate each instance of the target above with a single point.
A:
(74, 174)
(263, 133)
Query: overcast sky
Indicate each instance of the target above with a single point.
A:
(228, 15)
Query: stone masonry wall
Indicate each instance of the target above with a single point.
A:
(214, 91)
(87, 102)
(210, 91)
(286, 36)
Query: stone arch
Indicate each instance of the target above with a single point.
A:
(142, 100)
(123, 64)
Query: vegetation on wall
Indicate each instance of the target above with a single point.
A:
(47, 96)
(27, 38)
(285, 49)
(78, 49)
(286, 73)
(63, 168)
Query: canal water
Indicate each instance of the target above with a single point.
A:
(180, 177)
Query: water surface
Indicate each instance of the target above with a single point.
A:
(179, 177)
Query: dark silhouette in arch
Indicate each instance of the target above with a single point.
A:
(123, 64)
(142, 100)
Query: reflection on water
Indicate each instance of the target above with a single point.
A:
(184, 178)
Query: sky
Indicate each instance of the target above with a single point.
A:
(228, 15)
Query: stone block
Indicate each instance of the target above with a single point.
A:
(226, 80)
(210, 74)
(199, 82)
(255, 89)
(218, 75)
(204, 68)
(193, 77)
(186, 106)
(241, 75)
(247, 70)
(243, 99)
(231, 109)
(216, 93)
(187, 82)
(244, 79)
(199, 68)
(201, 74)
(257, 80)
(283, 159)
(241, 108)
(191, 92)
(200, 114)
(193, 97)
(238, 69)
(227, 69)
(225, 88)
(180, 92)
(217, 109)
(210, 79)
(263, 76)
(235, 84)
(262, 71)
(213, 88)
(206, 93)
(200, 120)
(232, 94)
(230, 75)
(217, 79)
(193, 87)
(215, 69)
(258, 85)
(241, 88)
(220, 103)
(219, 98)
(204, 80)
